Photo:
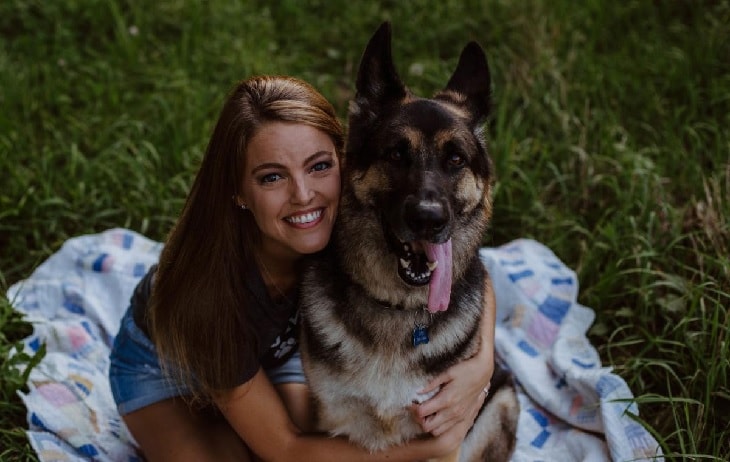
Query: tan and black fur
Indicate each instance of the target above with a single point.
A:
(416, 170)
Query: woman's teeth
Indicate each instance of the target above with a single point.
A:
(306, 218)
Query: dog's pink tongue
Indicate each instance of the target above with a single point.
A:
(439, 288)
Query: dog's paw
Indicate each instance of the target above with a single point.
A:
(419, 398)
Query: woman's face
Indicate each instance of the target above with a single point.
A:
(291, 185)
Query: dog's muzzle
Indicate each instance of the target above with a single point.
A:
(420, 224)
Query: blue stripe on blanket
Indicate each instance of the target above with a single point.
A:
(521, 275)
(98, 264)
(554, 308)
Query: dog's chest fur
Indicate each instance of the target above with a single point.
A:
(360, 360)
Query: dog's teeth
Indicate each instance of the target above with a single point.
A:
(404, 263)
(432, 265)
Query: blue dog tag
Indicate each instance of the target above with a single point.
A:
(420, 335)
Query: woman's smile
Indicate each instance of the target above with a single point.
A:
(305, 220)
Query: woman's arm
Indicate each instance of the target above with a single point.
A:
(259, 416)
(298, 402)
(462, 385)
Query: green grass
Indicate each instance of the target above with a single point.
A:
(610, 141)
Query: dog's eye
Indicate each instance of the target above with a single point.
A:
(398, 152)
(456, 160)
(396, 155)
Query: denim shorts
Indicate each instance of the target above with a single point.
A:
(137, 379)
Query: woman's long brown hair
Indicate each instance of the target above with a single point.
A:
(198, 305)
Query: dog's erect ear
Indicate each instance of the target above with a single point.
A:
(377, 79)
(471, 81)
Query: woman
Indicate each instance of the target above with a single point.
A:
(205, 365)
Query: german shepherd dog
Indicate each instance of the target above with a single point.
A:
(399, 294)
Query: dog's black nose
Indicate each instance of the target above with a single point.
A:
(425, 216)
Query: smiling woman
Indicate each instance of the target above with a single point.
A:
(206, 320)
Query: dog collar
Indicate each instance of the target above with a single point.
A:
(398, 307)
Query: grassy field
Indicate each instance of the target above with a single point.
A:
(610, 140)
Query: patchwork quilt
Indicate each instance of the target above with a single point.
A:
(572, 407)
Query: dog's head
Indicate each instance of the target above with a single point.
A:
(419, 167)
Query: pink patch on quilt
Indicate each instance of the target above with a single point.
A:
(57, 394)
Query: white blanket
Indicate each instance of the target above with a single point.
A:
(573, 409)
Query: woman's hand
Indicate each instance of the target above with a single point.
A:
(463, 388)
(452, 437)
(462, 394)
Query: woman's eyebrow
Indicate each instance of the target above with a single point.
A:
(316, 155)
(265, 166)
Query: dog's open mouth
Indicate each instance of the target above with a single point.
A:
(414, 266)
(422, 262)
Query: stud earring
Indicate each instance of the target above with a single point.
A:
(242, 206)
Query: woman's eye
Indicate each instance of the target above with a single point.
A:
(321, 166)
(269, 178)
